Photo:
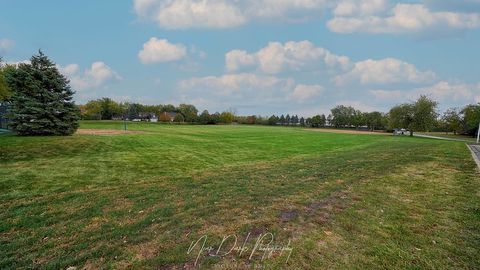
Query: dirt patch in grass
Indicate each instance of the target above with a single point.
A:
(107, 132)
(288, 215)
(347, 131)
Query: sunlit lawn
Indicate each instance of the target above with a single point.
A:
(139, 200)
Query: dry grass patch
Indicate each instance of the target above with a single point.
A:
(107, 132)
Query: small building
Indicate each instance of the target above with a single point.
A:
(401, 132)
(154, 119)
(167, 116)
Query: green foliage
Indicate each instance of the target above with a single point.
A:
(401, 116)
(452, 121)
(425, 114)
(42, 99)
(273, 120)
(344, 116)
(420, 115)
(375, 120)
(227, 117)
(179, 118)
(318, 121)
(204, 117)
(4, 90)
(189, 112)
(471, 118)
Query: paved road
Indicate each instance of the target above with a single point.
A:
(476, 153)
(440, 138)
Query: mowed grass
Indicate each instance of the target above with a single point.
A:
(137, 201)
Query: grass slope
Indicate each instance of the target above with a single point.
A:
(139, 200)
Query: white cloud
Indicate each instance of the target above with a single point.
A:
(402, 18)
(359, 7)
(236, 59)
(183, 14)
(247, 89)
(68, 70)
(304, 92)
(444, 92)
(386, 71)
(6, 44)
(160, 51)
(97, 75)
(277, 57)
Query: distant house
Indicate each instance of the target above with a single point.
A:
(154, 119)
(167, 116)
(401, 132)
(146, 116)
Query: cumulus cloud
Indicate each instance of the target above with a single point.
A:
(445, 92)
(160, 51)
(248, 89)
(96, 76)
(304, 92)
(402, 18)
(183, 14)
(385, 71)
(277, 57)
(359, 7)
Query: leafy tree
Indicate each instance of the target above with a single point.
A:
(343, 116)
(204, 117)
(418, 116)
(179, 118)
(425, 114)
(227, 117)
(91, 111)
(452, 121)
(308, 121)
(317, 121)
(273, 120)
(168, 108)
(402, 116)
(288, 120)
(215, 118)
(189, 112)
(109, 109)
(471, 118)
(282, 120)
(375, 120)
(4, 90)
(42, 100)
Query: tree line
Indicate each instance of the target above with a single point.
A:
(40, 102)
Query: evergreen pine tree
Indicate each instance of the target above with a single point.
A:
(42, 99)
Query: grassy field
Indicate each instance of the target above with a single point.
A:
(329, 201)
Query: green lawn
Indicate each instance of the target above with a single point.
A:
(137, 201)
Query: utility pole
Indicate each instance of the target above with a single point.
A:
(478, 134)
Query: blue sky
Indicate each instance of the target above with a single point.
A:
(257, 57)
